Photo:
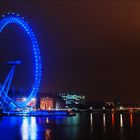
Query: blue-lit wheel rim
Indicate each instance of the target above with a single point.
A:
(15, 18)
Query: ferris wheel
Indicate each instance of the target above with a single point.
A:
(5, 100)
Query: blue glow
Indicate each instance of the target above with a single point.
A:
(29, 123)
(15, 18)
(50, 113)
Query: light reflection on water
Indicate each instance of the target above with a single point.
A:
(121, 127)
(47, 120)
(48, 134)
(82, 126)
(121, 120)
(104, 121)
(29, 128)
(91, 122)
(131, 120)
(113, 120)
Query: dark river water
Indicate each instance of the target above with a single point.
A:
(83, 126)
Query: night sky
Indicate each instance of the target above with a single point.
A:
(89, 47)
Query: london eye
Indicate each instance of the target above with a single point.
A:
(5, 100)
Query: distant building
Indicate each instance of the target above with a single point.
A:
(31, 104)
(117, 103)
(59, 103)
(46, 103)
(109, 105)
(72, 98)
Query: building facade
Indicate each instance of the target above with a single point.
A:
(46, 103)
(72, 98)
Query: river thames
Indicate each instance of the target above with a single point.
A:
(83, 126)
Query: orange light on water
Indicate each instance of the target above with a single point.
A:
(113, 121)
(131, 119)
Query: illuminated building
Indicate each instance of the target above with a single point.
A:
(72, 98)
(46, 103)
(109, 105)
